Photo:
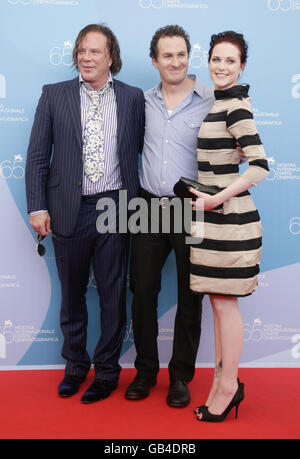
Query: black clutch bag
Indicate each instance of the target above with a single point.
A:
(181, 188)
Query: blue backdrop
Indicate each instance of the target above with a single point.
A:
(36, 41)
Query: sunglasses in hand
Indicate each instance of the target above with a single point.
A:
(41, 249)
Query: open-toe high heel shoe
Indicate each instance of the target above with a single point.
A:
(235, 402)
(198, 409)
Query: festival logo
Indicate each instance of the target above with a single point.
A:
(10, 114)
(283, 5)
(258, 331)
(263, 280)
(128, 337)
(45, 2)
(151, 3)
(296, 349)
(296, 86)
(6, 337)
(2, 347)
(158, 4)
(2, 87)
(283, 170)
(12, 168)
(12, 334)
(21, 2)
(295, 225)
(198, 57)
(61, 55)
(267, 118)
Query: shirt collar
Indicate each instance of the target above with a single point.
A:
(88, 86)
(198, 86)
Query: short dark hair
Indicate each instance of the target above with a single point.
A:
(112, 44)
(168, 31)
(229, 36)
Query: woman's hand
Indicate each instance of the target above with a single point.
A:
(211, 202)
(205, 201)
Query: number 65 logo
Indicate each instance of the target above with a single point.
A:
(58, 55)
(10, 169)
(295, 225)
(296, 348)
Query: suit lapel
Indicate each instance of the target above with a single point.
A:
(121, 98)
(73, 98)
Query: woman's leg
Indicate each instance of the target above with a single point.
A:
(229, 325)
(218, 360)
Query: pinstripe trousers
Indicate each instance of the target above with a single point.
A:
(108, 254)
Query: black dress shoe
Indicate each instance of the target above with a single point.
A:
(98, 390)
(139, 388)
(69, 386)
(179, 394)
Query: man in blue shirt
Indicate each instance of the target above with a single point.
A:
(175, 110)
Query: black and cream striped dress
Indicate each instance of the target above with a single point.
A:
(226, 262)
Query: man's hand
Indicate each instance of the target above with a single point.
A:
(41, 223)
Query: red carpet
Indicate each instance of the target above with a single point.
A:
(31, 409)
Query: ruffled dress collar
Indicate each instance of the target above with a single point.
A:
(238, 91)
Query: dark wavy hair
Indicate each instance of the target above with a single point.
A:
(229, 36)
(168, 31)
(112, 44)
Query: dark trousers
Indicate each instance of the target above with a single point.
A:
(148, 255)
(108, 254)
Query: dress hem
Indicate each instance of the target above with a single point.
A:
(223, 294)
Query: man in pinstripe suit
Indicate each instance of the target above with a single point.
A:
(62, 197)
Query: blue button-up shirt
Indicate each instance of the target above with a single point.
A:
(170, 144)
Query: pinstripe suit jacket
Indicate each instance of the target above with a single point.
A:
(54, 158)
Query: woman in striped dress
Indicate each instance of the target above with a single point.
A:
(226, 264)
